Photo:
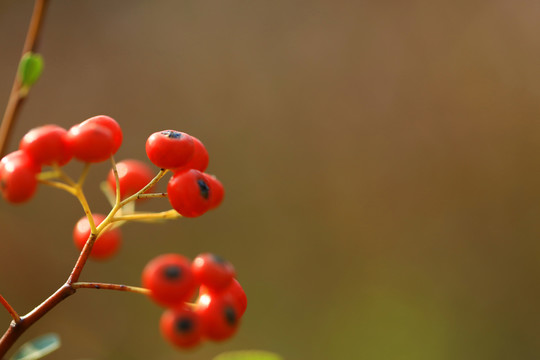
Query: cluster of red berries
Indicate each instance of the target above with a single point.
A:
(191, 191)
(93, 140)
(172, 280)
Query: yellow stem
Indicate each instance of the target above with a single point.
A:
(164, 215)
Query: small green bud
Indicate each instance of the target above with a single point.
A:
(30, 69)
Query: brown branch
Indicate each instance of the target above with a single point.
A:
(15, 99)
(16, 329)
(105, 286)
(10, 309)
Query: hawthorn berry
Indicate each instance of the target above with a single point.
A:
(169, 149)
(47, 145)
(190, 193)
(220, 315)
(234, 289)
(200, 159)
(18, 173)
(213, 271)
(216, 189)
(90, 142)
(170, 279)
(106, 245)
(133, 175)
(110, 124)
(181, 326)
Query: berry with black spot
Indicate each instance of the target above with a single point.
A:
(234, 289)
(190, 193)
(220, 315)
(170, 279)
(169, 149)
(181, 326)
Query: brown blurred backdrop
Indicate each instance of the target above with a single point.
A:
(380, 158)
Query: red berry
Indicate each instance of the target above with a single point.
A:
(18, 173)
(133, 176)
(105, 246)
(90, 142)
(220, 315)
(181, 326)
(213, 271)
(199, 161)
(47, 145)
(189, 193)
(170, 279)
(216, 189)
(110, 124)
(169, 149)
(234, 289)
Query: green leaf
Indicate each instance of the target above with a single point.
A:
(248, 355)
(38, 348)
(30, 69)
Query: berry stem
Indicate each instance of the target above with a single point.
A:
(84, 174)
(105, 286)
(117, 181)
(164, 215)
(16, 98)
(10, 310)
(152, 195)
(59, 185)
(134, 197)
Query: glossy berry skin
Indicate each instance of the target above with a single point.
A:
(18, 173)
(47, 145)
(106, 245)
(200, 158)
(169, 149)
(219, 315)
(90, 143)
(216, 189)
(133, 175)
(181, 326)
(170, 279)
(190, 193)
(234, 289)
(213, 271)
(110, 124)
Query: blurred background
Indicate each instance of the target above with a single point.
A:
(380, 159)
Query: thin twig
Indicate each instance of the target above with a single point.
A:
(151, 195)
(10, 310)
(15, 99)
(105, 286)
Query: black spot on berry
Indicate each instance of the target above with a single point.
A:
(184, 325)
(172, 134)
(230, 315)
(203, 188)
(218, 259)
(172, 272)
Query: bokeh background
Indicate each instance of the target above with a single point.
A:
(381, 163)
